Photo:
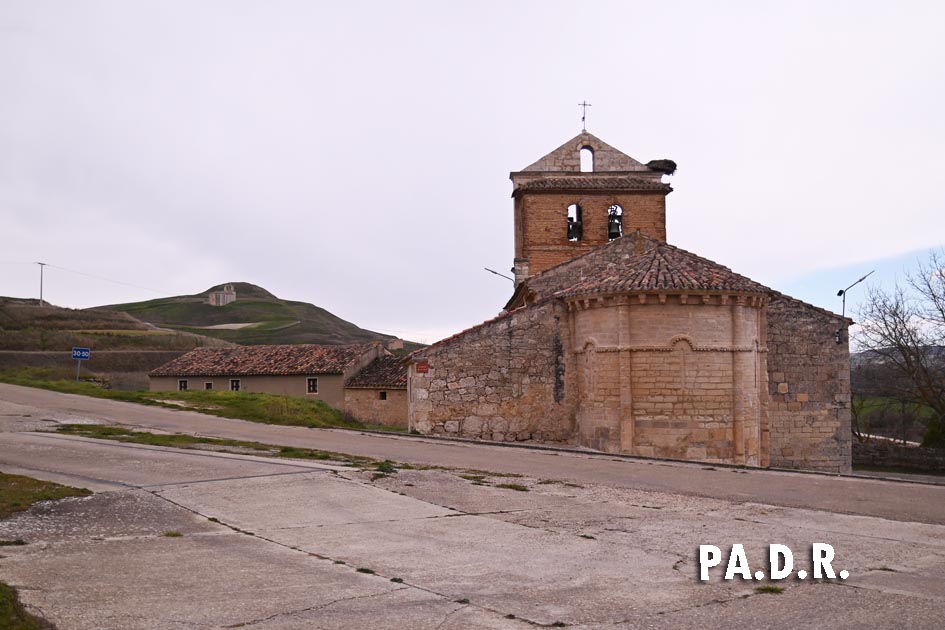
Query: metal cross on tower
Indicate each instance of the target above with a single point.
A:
(584, 105)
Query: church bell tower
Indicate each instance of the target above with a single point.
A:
(582, 195)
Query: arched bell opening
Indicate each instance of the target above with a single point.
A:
(587, 160)
(575, 223)
(614, 222)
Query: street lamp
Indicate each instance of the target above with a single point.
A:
(499, 274)
(843, 292)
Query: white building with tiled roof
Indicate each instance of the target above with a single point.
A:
(306, 370)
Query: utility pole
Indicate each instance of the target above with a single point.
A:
(42, 266)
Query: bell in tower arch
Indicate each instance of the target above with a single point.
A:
(575, 223)
(614, 222)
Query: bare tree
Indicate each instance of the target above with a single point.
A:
(861, 419)
(904, 331)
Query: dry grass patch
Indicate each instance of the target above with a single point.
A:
(17, 493)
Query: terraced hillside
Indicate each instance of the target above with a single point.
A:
(27, 326)
(256, 317)
(124, 349)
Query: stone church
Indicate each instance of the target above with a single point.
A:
(617, 341)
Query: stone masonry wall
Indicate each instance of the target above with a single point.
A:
(366, 405)
(809, 388)
(505, 380)
(567, 158)
(541, 223)
(683, 405)
(672, 379)
(886, 455)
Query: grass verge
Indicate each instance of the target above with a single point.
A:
(255, 407)
(14, 617)
(17, 493)
(897, 470)
(177, 440)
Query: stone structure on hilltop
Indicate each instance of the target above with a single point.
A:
(227, 295)
(618, 341)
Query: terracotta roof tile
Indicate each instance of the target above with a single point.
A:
(264, 360)
(639, 263)
(387, 371)
(595, 183)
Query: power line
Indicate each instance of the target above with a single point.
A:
(112, 280)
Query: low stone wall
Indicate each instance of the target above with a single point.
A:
(504, 380)
(885, 454)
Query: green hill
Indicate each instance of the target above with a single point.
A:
(25, 326)
(37, 339)
(256, 317)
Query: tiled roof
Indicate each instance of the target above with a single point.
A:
(387, 371)
(595, 183)
(264, 360)
(634, 263)
(639, 263)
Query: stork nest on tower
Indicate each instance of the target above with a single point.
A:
(663, 166)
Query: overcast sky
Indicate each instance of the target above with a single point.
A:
(356, 154)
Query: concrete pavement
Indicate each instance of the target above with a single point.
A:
(867, 497)
(279, 544)
(284, 545)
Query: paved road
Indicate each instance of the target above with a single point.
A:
(867, 497)
(102, 465)
(285, 545)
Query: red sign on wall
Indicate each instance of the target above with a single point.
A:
(422, 367)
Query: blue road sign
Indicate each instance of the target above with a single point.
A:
(82, 354)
